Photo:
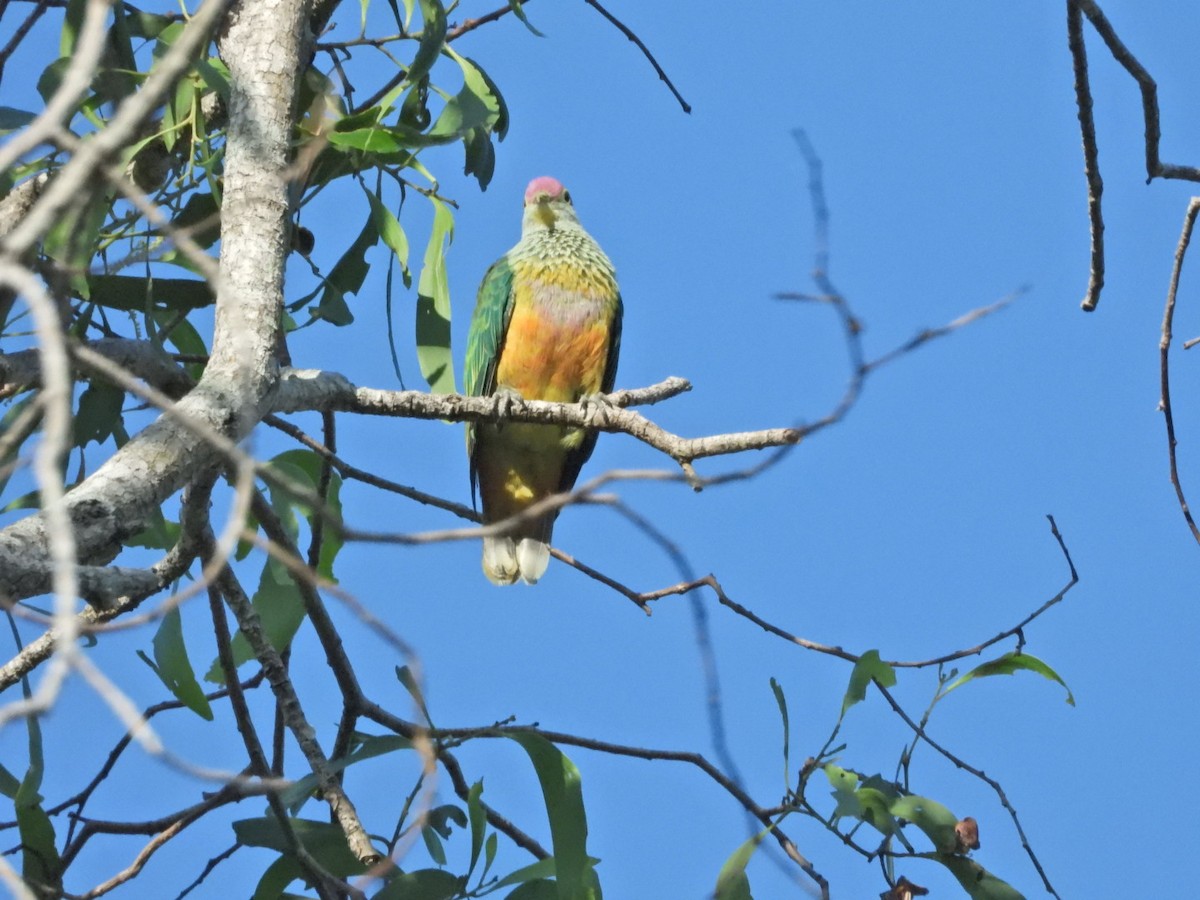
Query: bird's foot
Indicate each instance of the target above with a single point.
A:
(505, 397)
(596, 404)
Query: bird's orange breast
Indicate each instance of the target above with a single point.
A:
(556, 347)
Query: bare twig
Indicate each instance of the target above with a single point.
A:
(469, 25)
(658, 70)
(1155, 167)
(340, 805)
(1091, 160)
(725, 600)
(1164, 348)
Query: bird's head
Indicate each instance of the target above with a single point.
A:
(548, 203)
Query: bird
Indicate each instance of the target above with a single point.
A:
(546, 326)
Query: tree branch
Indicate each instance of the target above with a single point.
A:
(1164, 352)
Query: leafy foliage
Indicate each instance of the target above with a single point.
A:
(134, 267)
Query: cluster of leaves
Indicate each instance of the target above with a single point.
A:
(120, 274)
(887, 805)
(381, 148)
(567, 875)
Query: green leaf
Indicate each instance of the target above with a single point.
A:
(73, 238)
(1009, 664)
(72, 23)
(118, 77)
(135, 294)
(389, 229)
(405, 676)
(326, 842)
(517, 6)
(433, 843)
(781, 702)
(868, 668)
(433, 305)
(480, 156)
(9, 785)
(440, 817)
(490, 846)
(732, 883)
(167, 37)
(184, 337)
(979, 883)
(931, 817)
(562, 791)
(40, 862)
(535, 890)
(99, 413)
(51, 77)
(346, 277)
(144, 24)
(13, 450)
(215, 75)
(473, 106)
(876, 810)
(423, 884)
(200, 209)
(542, 869)
(474, 114)
(304, 468)
(174, 667)
(159, 534)
(433, 38)
(11, 119)
(478, 819)
(376, 138)
(277, 876)
(845, 791)
(278, 604)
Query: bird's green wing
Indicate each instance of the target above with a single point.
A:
(489, 324)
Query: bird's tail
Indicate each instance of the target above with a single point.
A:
(523, 556)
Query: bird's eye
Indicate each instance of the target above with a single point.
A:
(567, 196)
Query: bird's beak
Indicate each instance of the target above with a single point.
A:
(544, 213)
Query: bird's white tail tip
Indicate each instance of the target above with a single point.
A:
(533, 556)
(500, 560)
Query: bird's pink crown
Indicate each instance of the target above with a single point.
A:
(544, 184)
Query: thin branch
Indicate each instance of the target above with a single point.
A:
(625, 30)
(497, 821)
(80, 799)
(327, 886)
(347, 471)
(340, 805)
(978, 773)
(208, 868)
(382, 717)
(1155, 168)
(1164, 347)
(22, 30)
(1091, 160)
(469, 25)
(725, 600)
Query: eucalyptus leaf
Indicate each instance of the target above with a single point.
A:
(868, 668)
(1010, 664)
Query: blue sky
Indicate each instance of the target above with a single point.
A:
(953, 171)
